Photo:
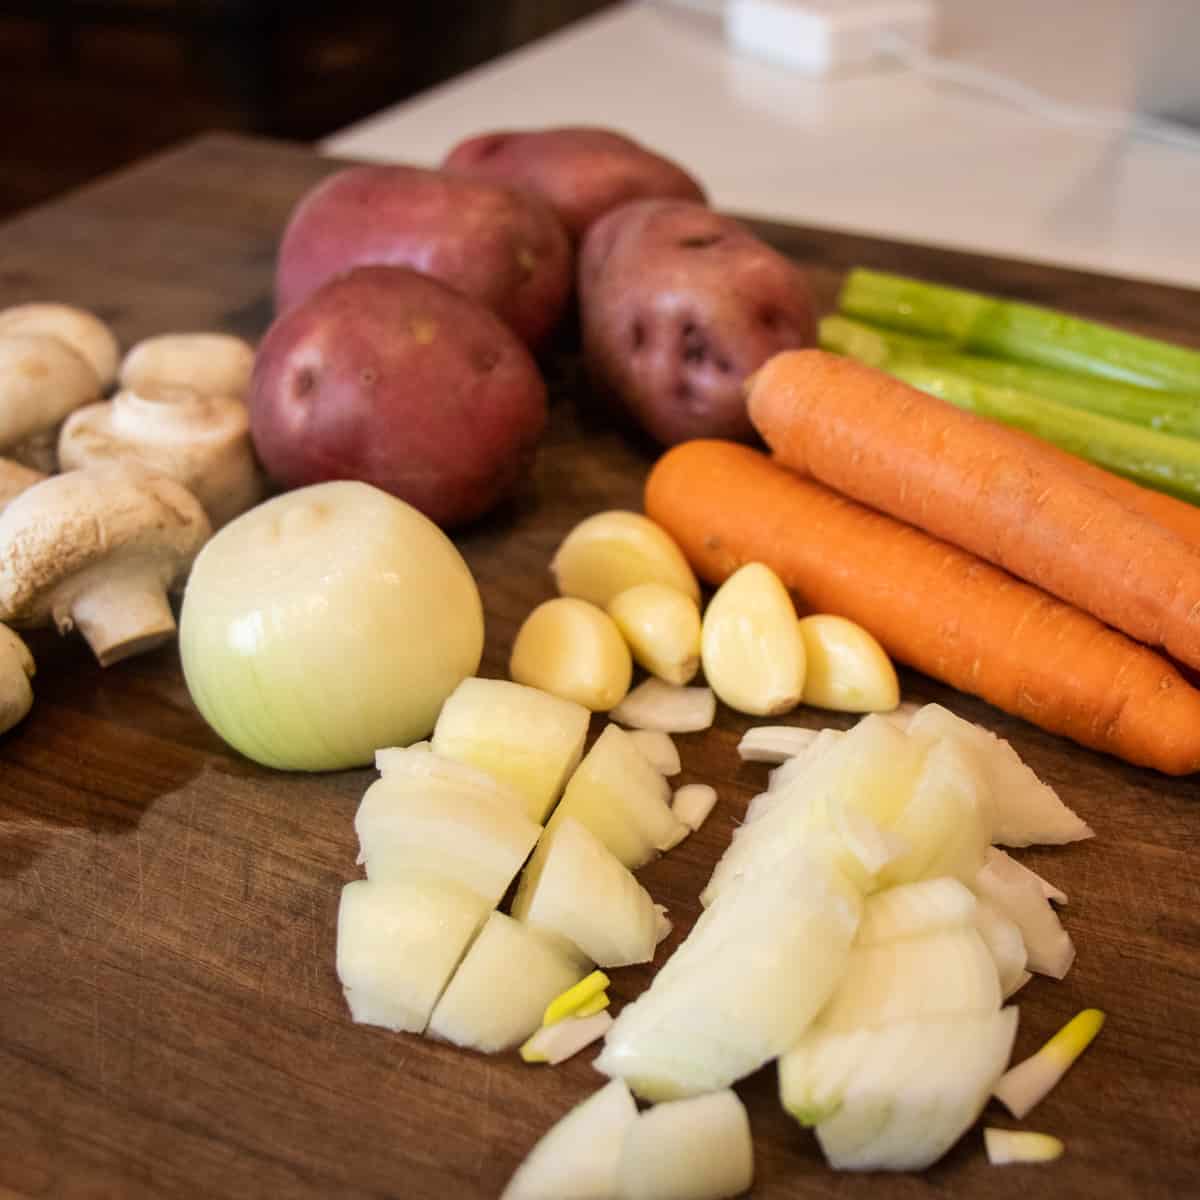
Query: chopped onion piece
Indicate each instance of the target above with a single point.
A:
(774, 743)
(1024, 810)
(692, 804)
(898, 1097)
(659, 750)
(617, 794)
(1018, 895)
(1007, 946)
(556, 1043)
(740, 989)
(1010, 867)
(574, 887)
(903, 713)
(568, 1003)
(578, 1158)
(1020, 1088)
(398, 943)
(916, 909)
(496, 998)
(662, 923)
(1017, 984)
(1005, 1146)
(593, 1006)
(419, 762)
(697, 1149)
(666, 708)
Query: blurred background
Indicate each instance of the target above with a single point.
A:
(92, 84)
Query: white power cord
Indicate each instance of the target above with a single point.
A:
(819, 37)
(1012, 91)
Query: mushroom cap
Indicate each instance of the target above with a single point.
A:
(41, 380)
(83, 331)
(121, 514)
(213, 363)
(203, 441)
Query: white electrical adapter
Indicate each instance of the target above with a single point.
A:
(820, 37)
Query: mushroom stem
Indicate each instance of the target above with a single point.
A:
(122, 615)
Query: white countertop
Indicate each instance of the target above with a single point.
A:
(889, 153)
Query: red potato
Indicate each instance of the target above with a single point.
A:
(583, 171)
(679, 306)
(393, 378)
(498, 245)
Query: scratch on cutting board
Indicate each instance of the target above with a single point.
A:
(58, 933)
(483, 1130)
(184, 875)
(97, 1038)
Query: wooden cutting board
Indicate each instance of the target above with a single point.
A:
(170, 1020)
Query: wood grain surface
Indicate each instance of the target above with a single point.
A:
(170, 1020)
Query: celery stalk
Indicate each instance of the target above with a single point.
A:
(1167, 412)
(1019, 332)
(1157, 460)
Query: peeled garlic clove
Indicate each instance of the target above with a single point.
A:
(572, 649)
(662, 626)
(848, 670)
(613, 551)
(751, 646)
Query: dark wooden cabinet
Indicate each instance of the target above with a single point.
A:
(92, 84)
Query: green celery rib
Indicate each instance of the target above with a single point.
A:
(1157, 460)
(1007, 329)
(1167, 412)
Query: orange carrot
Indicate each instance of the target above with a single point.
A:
(1180, 517)
(930, 604)
(973, 483)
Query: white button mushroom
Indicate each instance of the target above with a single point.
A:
(14, 479)
(16, 670)
(41, 380)
(217, 364)
(200, 441)
(97, 550)
(83, 331)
